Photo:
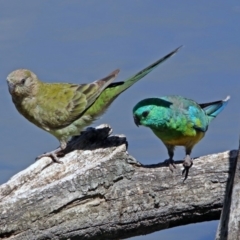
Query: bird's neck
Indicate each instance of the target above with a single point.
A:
(36, 88)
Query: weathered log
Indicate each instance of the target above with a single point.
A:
(229, 225)
(101, 192)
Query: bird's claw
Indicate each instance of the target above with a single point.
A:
(55, 158)
(170, 164)
(52, 155)
(187, 164)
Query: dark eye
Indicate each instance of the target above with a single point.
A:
(145, 113)
(23, 81)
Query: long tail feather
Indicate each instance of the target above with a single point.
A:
(148, 69)
(114, 89)
(130, 81)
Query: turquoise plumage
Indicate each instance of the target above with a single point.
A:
(177, 121)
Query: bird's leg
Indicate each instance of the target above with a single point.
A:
(53, 154)
(187, 163)
(170, 161)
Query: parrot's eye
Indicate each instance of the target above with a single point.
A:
(145, 113)
(23, 81)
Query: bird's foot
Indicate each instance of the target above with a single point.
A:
(171, 164)
(187, 164)
(52, 155)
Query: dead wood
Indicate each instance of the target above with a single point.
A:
(101, 192)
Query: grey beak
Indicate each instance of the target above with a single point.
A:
(136, 120)
(10, 87)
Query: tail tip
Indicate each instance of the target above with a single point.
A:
(226, 99)
(175, 51)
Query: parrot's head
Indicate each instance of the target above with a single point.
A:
(142, 113)
(150, 112)
(22, 83)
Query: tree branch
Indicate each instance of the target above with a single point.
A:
(229, 225)
(101, 192)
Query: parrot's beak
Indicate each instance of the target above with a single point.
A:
(11, 87)
(136, 120)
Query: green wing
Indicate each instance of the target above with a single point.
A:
(60, 104)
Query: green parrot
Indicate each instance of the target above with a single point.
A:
(64, 109)
(177, 121)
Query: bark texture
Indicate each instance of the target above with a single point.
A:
(229, 225)
(101, 192)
